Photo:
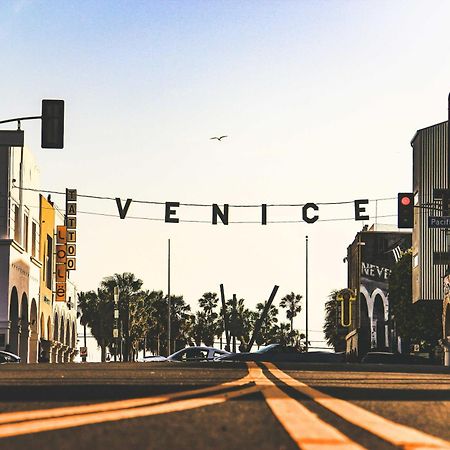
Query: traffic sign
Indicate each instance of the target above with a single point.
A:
(83, 351)
(439, 222)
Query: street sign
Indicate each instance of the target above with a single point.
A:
(439, 222)
(441, 258)
(83, 351)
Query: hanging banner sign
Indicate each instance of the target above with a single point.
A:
(61, 261)
(309, 212)
(71, 225)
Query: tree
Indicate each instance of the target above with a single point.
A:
(208, 319)
(129, 293)
(268, 329)
(97, 313)
(292, 303)
(333, 331)
(419, 322)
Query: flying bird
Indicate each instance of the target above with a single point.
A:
(218, 138)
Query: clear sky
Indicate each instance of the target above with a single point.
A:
(319, 100)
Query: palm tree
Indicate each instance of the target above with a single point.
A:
(292, 303)
(97, 313)
(129, 292)
(268, 327)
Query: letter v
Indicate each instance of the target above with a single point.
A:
(123, 211)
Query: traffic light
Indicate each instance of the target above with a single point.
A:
(405, 210)
(52, 129)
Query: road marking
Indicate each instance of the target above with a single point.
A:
(304, 427)
(19, 416)
(402, 436)
(38, 426)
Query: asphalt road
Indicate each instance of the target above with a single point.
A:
(223, 406)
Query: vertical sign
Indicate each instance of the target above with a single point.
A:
(61, 263)
(71, 225)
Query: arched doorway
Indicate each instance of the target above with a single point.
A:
(33, 348)
(378, 324)
(55, 339)
(14, 320)
(24, 329)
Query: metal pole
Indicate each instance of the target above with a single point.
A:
(225, 318)
(306, 294)
(169, 303)
(263, 316)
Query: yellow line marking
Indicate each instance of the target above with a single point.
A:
(402, 436)
(305, 428)
(38, 426)
(19, 416)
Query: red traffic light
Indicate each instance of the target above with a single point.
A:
(405, 210)
(405, 201)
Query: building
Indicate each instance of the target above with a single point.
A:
(370, 258)
(430, 171)
(32, 324)
(19, 259)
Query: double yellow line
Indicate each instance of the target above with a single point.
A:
(307, 430)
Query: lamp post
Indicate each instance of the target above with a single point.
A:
(116, 321)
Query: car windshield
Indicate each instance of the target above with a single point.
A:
(267, 348)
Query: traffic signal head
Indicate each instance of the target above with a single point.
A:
(52, 129)
(405, 210)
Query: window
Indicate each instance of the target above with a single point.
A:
(25, 232)
(16, 224)
(194, 354)
(33, 239)
(49, 262)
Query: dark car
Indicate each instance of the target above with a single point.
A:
(7, 357)
(283, 353)
(394, 358)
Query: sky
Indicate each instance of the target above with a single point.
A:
(319, 100)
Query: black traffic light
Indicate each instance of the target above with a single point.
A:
(405, 210)
(52, 129)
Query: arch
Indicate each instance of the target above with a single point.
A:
(378, 321)
(61, 331)
(33, 345)
(55, 327)
(14, 319)
(73, 343)
(24, 329)
(42, 330)
(67, 333)
(49, 329)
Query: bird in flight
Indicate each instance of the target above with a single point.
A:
(219, 138)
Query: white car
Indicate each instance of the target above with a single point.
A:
(189, 354)
(7, 357)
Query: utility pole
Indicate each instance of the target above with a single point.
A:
(169, 303)
(306, 292)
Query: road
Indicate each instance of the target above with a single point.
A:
(223, 406)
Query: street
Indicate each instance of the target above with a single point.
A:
(223, 406)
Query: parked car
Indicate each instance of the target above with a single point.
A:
(394, 358)
(189, 354)
(283, 353)
(7, 357)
